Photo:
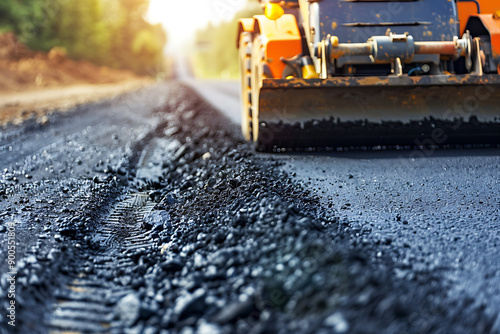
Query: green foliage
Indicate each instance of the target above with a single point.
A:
(106, 32)
(217, 54)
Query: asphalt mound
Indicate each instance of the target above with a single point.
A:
(245, 249)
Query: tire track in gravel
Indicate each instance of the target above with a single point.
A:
(87, 304)
(109, 254)
(103, 241)
(79, 168)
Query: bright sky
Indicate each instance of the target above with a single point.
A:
(181, 18)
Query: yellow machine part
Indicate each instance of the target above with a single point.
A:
(274, 11)
(309, 72)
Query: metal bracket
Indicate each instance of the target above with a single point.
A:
(397, 67)
(477, 67)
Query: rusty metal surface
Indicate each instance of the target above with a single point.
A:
(368, 100)
(429, 80)
(379, 111)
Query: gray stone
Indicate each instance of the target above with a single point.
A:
(128, 309)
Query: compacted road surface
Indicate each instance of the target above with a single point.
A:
(149, 214)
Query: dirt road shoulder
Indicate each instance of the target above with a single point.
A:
(20, 106)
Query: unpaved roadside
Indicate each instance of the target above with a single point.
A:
(38, 103)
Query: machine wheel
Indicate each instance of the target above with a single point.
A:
(245, 50)
(262, 141)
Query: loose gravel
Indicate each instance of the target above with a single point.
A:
(250, 251)
(236, 246)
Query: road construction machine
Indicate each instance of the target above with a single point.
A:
(338, 74)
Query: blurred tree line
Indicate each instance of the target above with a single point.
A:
(216, 54)
(105, 32)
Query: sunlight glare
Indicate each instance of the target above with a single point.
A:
(182, 18)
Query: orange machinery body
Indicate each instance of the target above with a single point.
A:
(489, 16)
(281, 38)
(468, 8)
